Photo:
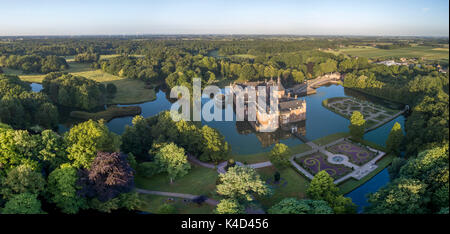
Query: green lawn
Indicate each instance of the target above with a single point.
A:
(292, 185)
(264, 156)
(199, 181)
(330, 138)
(151, 203)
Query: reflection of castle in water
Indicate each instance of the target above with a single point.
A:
(288, 109)
(269, 138)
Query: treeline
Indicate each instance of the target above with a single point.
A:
(87, 57)
(34, 63)
(21, 108)
(393, 46)
(82, 170)
(74, 91)
(147, 134)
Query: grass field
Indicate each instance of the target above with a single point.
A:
(264, 156)
(151, 203)
(108, 114)
(199, 181)
(129, 91)
(330, 138)
(292, 184)
(426, 52)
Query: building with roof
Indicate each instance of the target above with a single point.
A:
(288, 109)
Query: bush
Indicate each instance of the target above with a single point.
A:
(148, 169)
(166, 209)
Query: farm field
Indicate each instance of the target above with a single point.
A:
(426, 52)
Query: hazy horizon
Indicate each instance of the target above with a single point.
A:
(297, 18)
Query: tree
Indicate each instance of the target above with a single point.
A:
(279, 155)
(241, 183)
(356, 127)
(229, 206)
(172, 160)
(52, 150)
(22, 179)
(322, 187)
(111, 89)
(62, 189)
(215, 148)
(395, 138)
(24, 203)
(294, 206)
(88, 138)
(109, 176)
(402, 196)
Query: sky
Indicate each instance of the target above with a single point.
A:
(301, 17)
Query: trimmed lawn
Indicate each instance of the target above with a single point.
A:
(351, 184)
(131, 91)
(151, 203)
(292, 184)
(199, 181)
(330, 138)
(264, 156)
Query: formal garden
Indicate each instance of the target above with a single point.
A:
(373, 113)
(316, 162)
(356, 154)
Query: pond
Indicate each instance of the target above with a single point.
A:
(319, 122)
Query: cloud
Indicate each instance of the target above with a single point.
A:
(425, 9)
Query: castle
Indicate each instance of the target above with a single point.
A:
(290, 110)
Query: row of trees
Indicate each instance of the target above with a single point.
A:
(21, 108)
(34, 63)
(74, 91)
(145, 135)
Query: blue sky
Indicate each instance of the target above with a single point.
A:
(318, 17)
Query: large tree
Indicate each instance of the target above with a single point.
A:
(88, 138)
(62, 189)
(22, 179)
(395, 138)
(241, 183)
(229, 206)
(24, 203)
(109, 176)
(172, 159)
(357, 125)
(322, 187)
(279, 155)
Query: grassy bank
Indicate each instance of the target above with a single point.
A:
(108, 114)
(330, 138)
(199, 181)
